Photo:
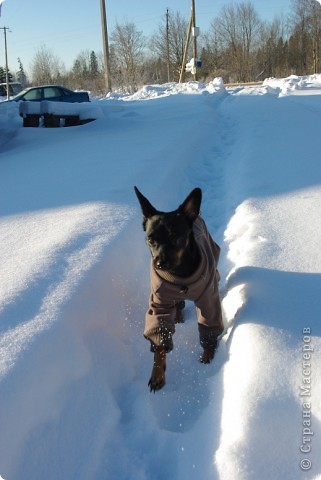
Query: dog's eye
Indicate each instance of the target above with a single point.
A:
(150, 240)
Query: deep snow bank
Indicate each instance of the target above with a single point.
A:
(58, 248)
(271, 412)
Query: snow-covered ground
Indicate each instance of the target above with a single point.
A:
(74, 402)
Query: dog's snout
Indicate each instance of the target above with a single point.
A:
(160, 259)
(161, 264)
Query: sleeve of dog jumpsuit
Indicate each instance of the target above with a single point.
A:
(160, 321)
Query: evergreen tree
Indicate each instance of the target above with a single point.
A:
(3, 75)
(21, 76)
(94, 69)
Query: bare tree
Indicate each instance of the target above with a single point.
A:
(299, 40)
(237, 29)
(272, 57)
(213, 56)
(315, 16)
(176, 38)
(80, 69)
(305, 39)
(46, 67)
(127, 45)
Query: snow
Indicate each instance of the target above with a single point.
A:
(84, 110)
(30, 107)
(74, 366)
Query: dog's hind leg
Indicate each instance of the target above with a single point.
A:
(157, 379)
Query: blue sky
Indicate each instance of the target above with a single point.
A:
(67, 27)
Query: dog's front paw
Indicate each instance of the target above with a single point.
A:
(157, 380)
(207, 355)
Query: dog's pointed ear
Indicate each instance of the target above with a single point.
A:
(191, 205)
(147, 208)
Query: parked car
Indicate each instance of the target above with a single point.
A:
(14, 88)
(54, 93)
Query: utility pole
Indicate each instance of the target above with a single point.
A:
(6, 59)
(194, 34)
(167, 44)
(105, 45)
(192, 29)
(181, 77)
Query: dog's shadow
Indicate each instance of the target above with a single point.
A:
(191, 387)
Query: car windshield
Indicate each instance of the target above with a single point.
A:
(34, 94)
(29, 94)
(21, 93)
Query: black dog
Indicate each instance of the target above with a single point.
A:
(183, 267)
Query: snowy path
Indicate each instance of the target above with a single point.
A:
(75, 281)
(56, 312)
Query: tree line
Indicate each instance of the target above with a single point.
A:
(238, 46)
